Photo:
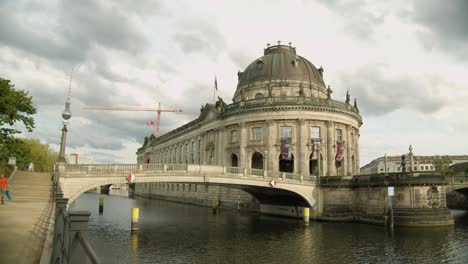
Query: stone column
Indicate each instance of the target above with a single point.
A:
(348, 146)
(270, 145)
(214, 159)
(220, 147)
(242, 144)
(202, 149)
(78, 224)
(330, 143)
(301, 147)
(358, 167)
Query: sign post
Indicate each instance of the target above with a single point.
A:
(391, 193)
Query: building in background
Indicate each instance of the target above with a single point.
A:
(282, 119)
(420, 163)
(75, 158)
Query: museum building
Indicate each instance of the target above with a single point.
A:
(282, 118)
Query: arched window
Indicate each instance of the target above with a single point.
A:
(259, 96)
(286, 165)
(257, 161)
(234, 160)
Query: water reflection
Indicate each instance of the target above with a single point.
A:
(179, 233)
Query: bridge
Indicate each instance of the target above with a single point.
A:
(77, 179)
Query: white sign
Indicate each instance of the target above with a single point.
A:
(12, 161)
(273, 183)
(391, 191)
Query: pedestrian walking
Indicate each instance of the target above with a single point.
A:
(31, 167)
(3, 187)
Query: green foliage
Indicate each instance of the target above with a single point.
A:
(15, 106)
(42, 156)
(14, 147)
(442, 165)
(26, 151)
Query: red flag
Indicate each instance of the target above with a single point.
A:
(216, 84)
(150, 123)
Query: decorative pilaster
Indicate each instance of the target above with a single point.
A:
(270, 145)
(242, 145)
(221, 140)
(331, 169)
(358, 167)
(348, 165)
(302, 144)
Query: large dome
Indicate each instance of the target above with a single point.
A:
(280, 63)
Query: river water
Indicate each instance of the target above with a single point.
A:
(178, 233)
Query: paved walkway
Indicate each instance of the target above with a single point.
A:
(24, 220)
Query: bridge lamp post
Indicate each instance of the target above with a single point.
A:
(66, 114)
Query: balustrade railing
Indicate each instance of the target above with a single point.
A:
(111, 169)
(292, 176)
(234, 170)
(177, 167)
(255, 172)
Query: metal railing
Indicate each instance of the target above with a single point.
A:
(69, 244)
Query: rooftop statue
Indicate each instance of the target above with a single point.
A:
(329, 92)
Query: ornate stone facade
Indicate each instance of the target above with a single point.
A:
(281, 104)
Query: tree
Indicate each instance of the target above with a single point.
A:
(442, 165)
(42, 156)
(15, 106)
(14, 147)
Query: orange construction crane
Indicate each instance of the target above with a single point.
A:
(158, 110)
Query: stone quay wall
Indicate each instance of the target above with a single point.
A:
(198, 194)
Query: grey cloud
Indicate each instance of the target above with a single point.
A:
(199, 36)
(241, 58)
(445, 23)
(68, 31)
(359, 22)
(378, 94)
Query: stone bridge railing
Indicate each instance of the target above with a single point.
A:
(77, 170)
(69, 244)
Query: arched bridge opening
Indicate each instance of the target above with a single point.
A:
(457, 197)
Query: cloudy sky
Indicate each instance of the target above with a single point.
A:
(406, 62)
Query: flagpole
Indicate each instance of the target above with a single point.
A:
(214, 91)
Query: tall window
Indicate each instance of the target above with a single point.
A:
(233, 136)
(338, 135)
(315, 134)
(257, 133)
(286, 132)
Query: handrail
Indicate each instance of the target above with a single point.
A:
(87, 248)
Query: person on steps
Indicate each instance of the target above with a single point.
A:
(3, 187)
